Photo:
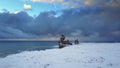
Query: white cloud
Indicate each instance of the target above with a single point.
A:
(27, 7)
(16, 12)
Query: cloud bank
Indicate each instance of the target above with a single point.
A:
(82, 3)
(99, 23)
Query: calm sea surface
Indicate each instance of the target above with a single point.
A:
(13, 47)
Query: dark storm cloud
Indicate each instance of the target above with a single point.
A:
(14, 25)
(100, 23)
(93, 24)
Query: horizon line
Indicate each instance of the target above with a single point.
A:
(26, 40)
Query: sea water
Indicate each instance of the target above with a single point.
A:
(13, 47)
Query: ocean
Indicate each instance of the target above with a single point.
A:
(13, 47)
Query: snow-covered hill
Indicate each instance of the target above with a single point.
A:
(84, 55)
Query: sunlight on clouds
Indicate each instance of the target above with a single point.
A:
(16, 12)
(91, 3)
(87, 2)
(72, 3)
(64, 3)
(108, 3)
(27, 7)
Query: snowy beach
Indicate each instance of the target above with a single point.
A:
(84, 55)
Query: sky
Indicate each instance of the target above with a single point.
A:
(86, 20)
(34, 6)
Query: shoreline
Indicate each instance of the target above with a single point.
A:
(89, 55)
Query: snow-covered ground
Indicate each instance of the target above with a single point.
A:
(84, 55)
